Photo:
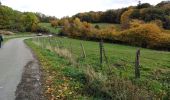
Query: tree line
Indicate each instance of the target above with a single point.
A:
(145, 12)
(143, 25)
(22, 21)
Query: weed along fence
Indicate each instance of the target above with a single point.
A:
(95, 54)
(103, 56)
(144, 67)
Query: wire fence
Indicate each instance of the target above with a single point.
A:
(99, 55)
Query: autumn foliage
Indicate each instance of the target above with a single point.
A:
(145, 35)
(148, 35)
(125, 19)
(54, 23)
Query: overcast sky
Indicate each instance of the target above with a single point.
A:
(60, 8)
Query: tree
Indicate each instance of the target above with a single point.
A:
(54, 23)
(167, 22)
(125, 19)
(109, 16)
(6, 17)
(135, 14)
(29, 21)
(144, 5)
(149, 14)
(163, 3)
(139, 4)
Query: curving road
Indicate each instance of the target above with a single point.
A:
(14, 55)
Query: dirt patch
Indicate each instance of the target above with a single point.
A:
(30, 87)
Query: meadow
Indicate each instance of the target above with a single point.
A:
(106, 25)
(154, 65)
(51, 29)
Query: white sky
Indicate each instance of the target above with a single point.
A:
(61, 8)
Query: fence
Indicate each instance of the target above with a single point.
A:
(124, 61)
(105, 56)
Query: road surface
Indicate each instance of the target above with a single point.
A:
(14, 55)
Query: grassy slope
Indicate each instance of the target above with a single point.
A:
(105, 25)
(155, 65)
(58, 73)
(48, 26)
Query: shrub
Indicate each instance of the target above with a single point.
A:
(54, 23)
(164, 42)
(145, 35)
(42, 29)
(148, 35)
(125, 19)
(136, 23)
(158, 22)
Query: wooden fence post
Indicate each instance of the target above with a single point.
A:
(137, 64)
(101, 52)
(104, 54)
(84, 53)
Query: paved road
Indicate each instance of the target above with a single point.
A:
(14, 55)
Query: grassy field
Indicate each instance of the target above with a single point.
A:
(155, 65)
(105, 25)
(51, 29)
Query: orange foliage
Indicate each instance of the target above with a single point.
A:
(136, 23)
(125, 19)
(54, 23)
(145, 35)
(158, 22)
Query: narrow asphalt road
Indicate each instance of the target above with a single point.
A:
(14, 55)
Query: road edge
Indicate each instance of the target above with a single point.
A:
(30, 86)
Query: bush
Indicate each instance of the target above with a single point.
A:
(136, 23)
(164, 42)
(42, 30)
(145, 35)
(148, 35)
(125, 19)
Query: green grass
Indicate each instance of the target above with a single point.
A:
(50, 28)
(155, 65)
(61, 71)
(17, 35)
(105, 25)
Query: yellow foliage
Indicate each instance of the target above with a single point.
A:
(136, 23)
(145, 35)
(158, 22)
(125, 18)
